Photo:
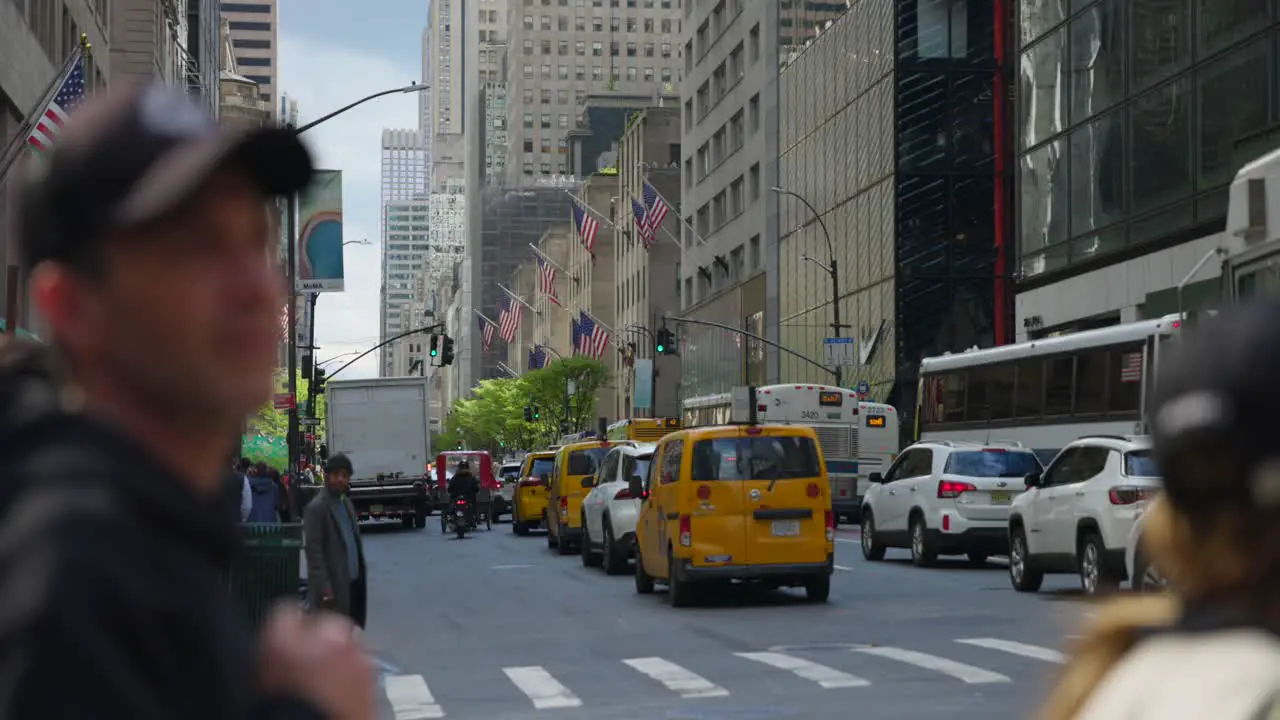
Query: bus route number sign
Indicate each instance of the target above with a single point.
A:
(876, 421)
(830, 399)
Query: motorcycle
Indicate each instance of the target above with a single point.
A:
(460, 518)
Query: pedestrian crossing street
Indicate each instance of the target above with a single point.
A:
(411, 697)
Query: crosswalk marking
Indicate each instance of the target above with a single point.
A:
(1017, 648)
(677, 679)
(958, 670)
(410, 698)
(825, 676)
(544, 690)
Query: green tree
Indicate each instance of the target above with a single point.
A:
(493, 417)
(275, 423)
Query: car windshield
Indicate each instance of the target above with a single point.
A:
(541, 466)
(992, 464)
(508, 470)
(585, 462)
(1139, 463)
(756, 458)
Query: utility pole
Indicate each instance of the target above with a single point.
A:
(833, 271)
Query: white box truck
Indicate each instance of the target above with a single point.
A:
(382, 425)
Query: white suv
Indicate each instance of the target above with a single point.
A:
(609, 511)
(945, 498)
(1077, 516)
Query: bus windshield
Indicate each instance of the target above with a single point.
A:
(755, 458)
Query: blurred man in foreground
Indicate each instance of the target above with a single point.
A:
(146, 239)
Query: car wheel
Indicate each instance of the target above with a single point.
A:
(552, 540)
(1095, 577)
(613, 560)
(923, 552)
(1146, 578)
(1023, 575)
(644, 582)
(871, 550)
(589, 556)
(678, 591)
(818, 589)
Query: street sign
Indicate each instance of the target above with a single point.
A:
(839, 351)
(309, 421)
(283, 401)
(309, 437)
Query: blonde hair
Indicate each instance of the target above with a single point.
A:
(1214, 561)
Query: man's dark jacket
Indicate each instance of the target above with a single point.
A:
(111, 573)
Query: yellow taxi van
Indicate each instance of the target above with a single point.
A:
(529, 503)
(572, 474)
(735, 502)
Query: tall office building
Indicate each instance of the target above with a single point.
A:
(253, 38)
(447, 41)
(424, 98)
(204, 52)
(404, 231)
(558, 55)
(148, 39)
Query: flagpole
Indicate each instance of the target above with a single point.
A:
(597, 321)
(670, 234)
(602, 217)
(684, 221)
(517, 298)
(551, 262)
(503, 367)
(11, 153)
(484, 317)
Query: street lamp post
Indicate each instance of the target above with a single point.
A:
(291, 236)
(832, 270)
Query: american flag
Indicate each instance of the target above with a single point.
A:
(642, 226)
(577, 336)
(656, 207)
(1131, 368)
(49, 124)
(547, 280)
(486, 332)
(587, 227)
(537, 358)
(594, 336)
(508, 318)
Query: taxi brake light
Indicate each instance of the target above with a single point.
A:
(813, 490)
(754, 431)
(623, 494)
(564, 503)
(704, 492)
(829, 518)
(686, 531)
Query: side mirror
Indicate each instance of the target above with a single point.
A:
(545, 479)
(589, 481)
(635, 486)
(1033, 480)
(875, 478)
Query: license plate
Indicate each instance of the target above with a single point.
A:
(375, 508)
(1000, 497)
(786, 528)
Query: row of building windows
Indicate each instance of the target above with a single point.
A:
(232, 7)
(631, 4)
(250, 26)
(665, 26)
(633, 49)
(250, 44)
(631, 72)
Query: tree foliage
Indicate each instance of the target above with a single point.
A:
(493, 417)
(275, 423)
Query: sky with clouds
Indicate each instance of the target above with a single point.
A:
(333, 52)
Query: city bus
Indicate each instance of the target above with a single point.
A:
(857, 437)
(642, 429)
(1044, 393)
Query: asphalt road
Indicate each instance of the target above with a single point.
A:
(498, 626)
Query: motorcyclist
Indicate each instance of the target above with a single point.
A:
(463, 485)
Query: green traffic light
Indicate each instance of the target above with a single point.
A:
(662, 348)
(435, 353)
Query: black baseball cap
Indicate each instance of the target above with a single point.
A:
(339, 462)
(1213, 416)
(130, 157)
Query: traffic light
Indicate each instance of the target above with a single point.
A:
(305, 366)
(537, 414)
(318, 381)
(665, 341)
(446, 352)
(435, 346)
(528, 414)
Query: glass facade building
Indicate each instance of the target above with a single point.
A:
(1132, 118)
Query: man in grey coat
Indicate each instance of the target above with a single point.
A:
(335, 553)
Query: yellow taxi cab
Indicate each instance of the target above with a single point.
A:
(529, 504)
(736, 502)
(571, 480)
